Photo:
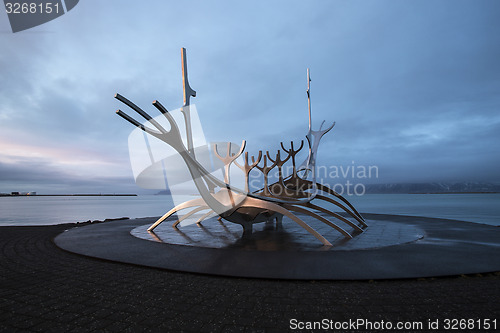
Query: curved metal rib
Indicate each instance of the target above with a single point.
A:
(328, 190)
(337, 216)
(211, 212)
(194, 211)
(327, 199)
(318, 217)
(184, 205)
(251, 202)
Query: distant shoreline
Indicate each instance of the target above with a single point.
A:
(134, 195)
(69, 195)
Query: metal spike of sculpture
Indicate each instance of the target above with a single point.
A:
(291, 193)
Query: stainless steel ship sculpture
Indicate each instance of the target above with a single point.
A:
(297, 192)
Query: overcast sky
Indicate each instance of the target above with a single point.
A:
(414, 86)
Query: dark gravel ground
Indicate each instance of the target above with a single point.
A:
(45, 289)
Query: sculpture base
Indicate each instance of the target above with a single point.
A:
(287, 236)
(391, 247)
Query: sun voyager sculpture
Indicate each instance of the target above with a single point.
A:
(295, 195)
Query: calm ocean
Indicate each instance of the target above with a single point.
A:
(39, 210)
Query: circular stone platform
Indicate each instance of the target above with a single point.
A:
(287, 237)
(391, 247)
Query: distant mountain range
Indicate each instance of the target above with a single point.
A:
(466, 187)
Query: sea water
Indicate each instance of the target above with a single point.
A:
(472, 207)
(41, 210)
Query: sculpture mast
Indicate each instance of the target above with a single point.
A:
(308, 136)
(309, 97)
(313, 137)
(188, 93)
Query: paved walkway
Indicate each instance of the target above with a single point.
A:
(43, 288)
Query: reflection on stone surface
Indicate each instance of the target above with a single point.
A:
(287, 237)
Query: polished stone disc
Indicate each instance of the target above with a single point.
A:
(393, 246)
